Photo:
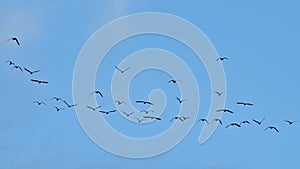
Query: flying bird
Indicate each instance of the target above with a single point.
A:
(181, 100)
(152, 118)
(144, 102)
(39, 103)
(174, 81)
(233, 124)
(97, 92)
(245, 103)
(225, 110)
(181, 118)
(272, 128)
(258, 122)
(218, 120)
(119, 102)
(290, 122)
(139, 120)
(58, 108)
(39, 81)
(107, 112)
(222, 58)
(93, 108)
(17, 67)
(69, 105)
(14, 39)
(122, 71)
(244, 122)
(204, 120)
(127, 114)
(31, 72)
(147, 111)
(10, 63)
(56, 98)
(219, 93)
(176, 118)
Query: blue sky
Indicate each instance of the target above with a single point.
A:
(260, 38)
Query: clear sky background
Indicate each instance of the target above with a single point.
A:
(261, 39)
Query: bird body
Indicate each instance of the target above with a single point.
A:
(31, 72)
(245, 103)
(97, 92)
(122, 71)
(14, 39)
(152, 118)
(181, 100)
(225, 110)
(39, 103)
(222, 58)
(234, 124)
(39, 81)
(144, 102)
(258, 122)
(204, 120)
(93, 108)
(272, 128)
(107, 112)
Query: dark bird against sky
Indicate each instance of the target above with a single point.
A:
(97, 92)
(39, 81)
(258, 122)
(31, 72)
(144, 102)
(14, 39)
(245, 103)
(122, 71)
(272, 128)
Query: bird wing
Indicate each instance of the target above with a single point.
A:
(17, 41)
(66, 103)
(27, 70)
(126, 69)
(35, 71)
(118, 69)
(33, 80)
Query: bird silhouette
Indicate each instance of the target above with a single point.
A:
(258, 122)
(218, 120)
(244, 122)
(233, 124)
(272, 128)
(222, 58)
(174, 81)
(176, 118)
(97, 92)
(219, 93)
(10, 63)
(17, 67)
(93, 108)
(203, 120)
(122, 71)
(14, 39)
(290, 122)
(39, 103)
(119, 102)
(58, 108)
(31, 72)
(245, 103)
(181, 100)
(144, 102)
(152, 118)
(146, 111)
(127, 114)
(69, 105)
(56, 98)
(139, 120)
(225, 110)
(39, 81)
(107, 112)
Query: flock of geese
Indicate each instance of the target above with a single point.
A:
(147, 113)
